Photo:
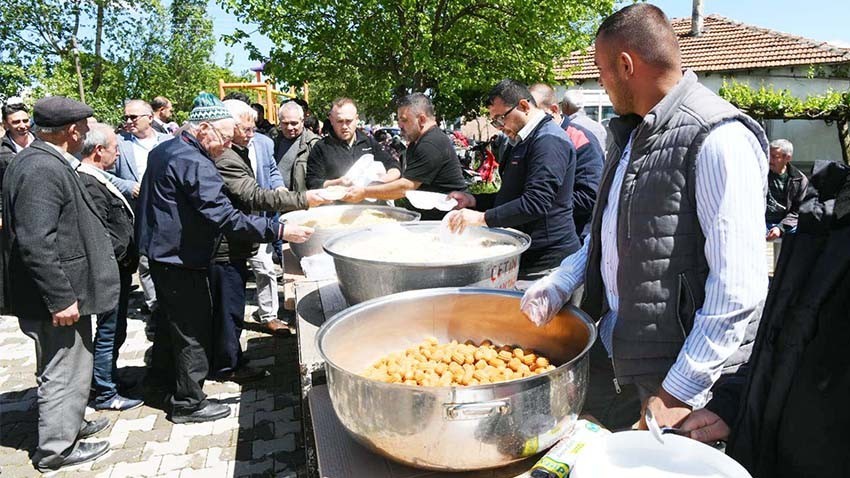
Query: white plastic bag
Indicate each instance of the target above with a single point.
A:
(365, 171)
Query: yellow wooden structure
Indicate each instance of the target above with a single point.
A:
(266, 95)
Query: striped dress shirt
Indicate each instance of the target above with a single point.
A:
(731, 180)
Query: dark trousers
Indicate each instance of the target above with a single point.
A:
(227, 286)
(615, 410)
(183, 334)
(63, 374)
(108, 339)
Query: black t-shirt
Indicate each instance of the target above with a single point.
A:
(433, 162)
(331, 158)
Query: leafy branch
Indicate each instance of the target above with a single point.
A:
(769, 103)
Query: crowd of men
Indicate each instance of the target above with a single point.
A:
(662, 242)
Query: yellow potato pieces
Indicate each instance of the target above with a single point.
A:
(431, 364)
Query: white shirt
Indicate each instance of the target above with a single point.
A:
(141, 148)
(18, 147)
(731, 180)
(252, 158)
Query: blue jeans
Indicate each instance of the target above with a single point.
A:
(109, 337)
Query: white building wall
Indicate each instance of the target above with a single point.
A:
(812, 140)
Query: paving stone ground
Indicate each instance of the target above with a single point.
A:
(262, 437)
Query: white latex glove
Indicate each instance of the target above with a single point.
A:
(543, 300)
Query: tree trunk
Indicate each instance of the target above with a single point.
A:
(80, 86)
(844, 138)
(97, 75)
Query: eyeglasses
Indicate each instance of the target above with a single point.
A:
(289, 123)
(246, 130)
(133, 118)
(499, 120)
(221, 137)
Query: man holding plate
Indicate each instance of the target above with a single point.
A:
(430, 163)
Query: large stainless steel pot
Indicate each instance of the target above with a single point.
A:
(455, 428)
(364, 279)
(321, 234)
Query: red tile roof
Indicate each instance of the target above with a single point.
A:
(725, 45)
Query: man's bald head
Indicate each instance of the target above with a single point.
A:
(544, 96)
(644, 31)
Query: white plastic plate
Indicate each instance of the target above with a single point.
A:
(635, 454)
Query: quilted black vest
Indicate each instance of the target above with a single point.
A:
(662, 269)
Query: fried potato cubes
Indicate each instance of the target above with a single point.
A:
(432, 364)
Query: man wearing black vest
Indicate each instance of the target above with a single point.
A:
(674, 264)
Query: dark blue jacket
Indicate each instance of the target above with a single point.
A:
(590, 158)
(182, 208)
(536, 196)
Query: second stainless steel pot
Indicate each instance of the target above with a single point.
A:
(339, 213)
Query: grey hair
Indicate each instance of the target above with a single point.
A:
(238, 109)
(290, 105)
(418, 103)
(783, 145)
(142, 103)
(39, 130)
(574, 99)
(98, 135)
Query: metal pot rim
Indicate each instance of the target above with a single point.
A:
(522, 238)
(413, 214)
(339, 316)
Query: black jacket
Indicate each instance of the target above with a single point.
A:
(784, 210)
(331, 158)
(56, 248)
(536, 196)
(7, 153)
(116, 214)
(788, 409)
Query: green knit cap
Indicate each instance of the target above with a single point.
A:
(206, 107)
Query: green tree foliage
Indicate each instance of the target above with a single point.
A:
(768, 102)
(127, 49)
(375, 50)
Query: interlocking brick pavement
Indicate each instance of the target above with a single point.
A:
(262, 437)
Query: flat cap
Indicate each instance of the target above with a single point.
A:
(56, 111)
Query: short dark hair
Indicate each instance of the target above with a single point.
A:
(260, 109)
(12, 108)
(238, 95)
(511, 92)
(312, 123)
(645, 30)
(417, 102)
(159, 103)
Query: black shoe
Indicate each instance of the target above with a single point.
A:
(85, 452)
(241, 375)
(93, 427)
(213, 411)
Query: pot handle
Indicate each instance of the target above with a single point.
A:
(474, 411)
